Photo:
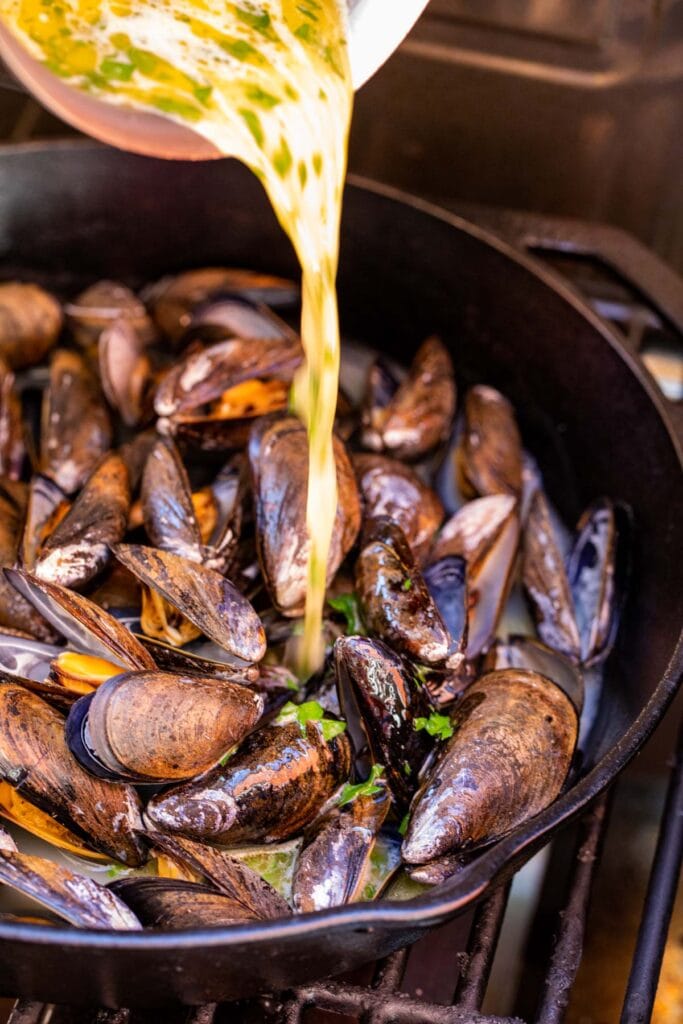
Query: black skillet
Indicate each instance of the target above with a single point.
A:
(72, 213)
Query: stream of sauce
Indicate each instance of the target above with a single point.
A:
(269, 83)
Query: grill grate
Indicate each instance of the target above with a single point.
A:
(468, 964)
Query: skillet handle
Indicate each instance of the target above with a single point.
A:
(645, 273)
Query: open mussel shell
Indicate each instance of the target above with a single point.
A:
(395, 602)
(205, 375)
(390, 488)
(49, 691)
(170, 904)
(78, 899)
(46, 507)
(546, 582)
(515, 735)
(485, 533)
(30, 322)
(333, 865)
(203, 596)
(418, 415)
(126, 372)
(103, 304)
(447, 583)
(381, 702)
(168, 511)
(84, 624)
(526, 653)
(12, 440)
(489, 452)
(173, 300)
(6, 842)
(275, 785)
(35, 759)
(152, 727)
(224, 873)
(592, 570)
(75, 426)
(16, 612)
(79, 547)
(278, 457)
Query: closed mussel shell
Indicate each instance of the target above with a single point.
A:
(162, 727)
(515, 734)
(275, 785)
(30, 322)
(489, 452)
(16, 612)
(169, 904)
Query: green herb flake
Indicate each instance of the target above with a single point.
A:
(436, 725)
(407, 584)
(282, 159)
(240, 49)
(117, 871)
(318, 163)
(259, 22)
(304, 32)
(116, 70)
(264, 99)
(253, 123)
(348, 606)
(169, 105)
(403, 827)
(310, 711)
(368, 788)
(303, 173)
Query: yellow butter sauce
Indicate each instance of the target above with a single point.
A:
(269, 83)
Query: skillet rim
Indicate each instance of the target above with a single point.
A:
(470, 885)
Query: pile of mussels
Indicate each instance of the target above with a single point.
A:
(152, 534)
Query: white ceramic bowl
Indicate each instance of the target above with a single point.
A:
(373, 38)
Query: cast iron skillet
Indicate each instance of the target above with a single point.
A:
(72, 213)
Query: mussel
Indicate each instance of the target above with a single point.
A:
(203, 597)
(35, 760)
(224, 873)
(78, 899)
(395, 601)
(390, 488)
(275, 785)
(332, 867)
(528, 653)
(169, 904)
(152, 727)
(15, 611)
(591, 570)
(75, 428)
(485, 533)
(46, 507)
(415, 416)
(12, 442)
(278, 456)
(514, 737)
(489, 451)
(126, 372)
(167, 508)
(546, 583)
(30, 322)
(383, 704)
(78, 549)
(100, 306)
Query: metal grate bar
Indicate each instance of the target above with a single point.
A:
(661, 893)
(486, 927)
(568, 950)
(392, 1008)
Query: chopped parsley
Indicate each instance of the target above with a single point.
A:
(368, 788)
(311, 711)
(436, 725)
(347, 605)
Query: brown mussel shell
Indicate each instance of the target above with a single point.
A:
(224, 873)
(390, 488)
(275, 785)
(278, 456)
(395, 602)
(331, 868)
(418, 416)
(12, 441)
(75, 428)
(163, 727)
(36, 761)
(528, 653)
(15, 611)
(546, 583)
(381, 702)
(170, 904)
(103, 304)
(515, 734)
(46, 507)
(173, 300)
(78, 899)
(78, 549)
(489, 452)
(167, 508)
(125, 373)
(203, 596)
(82, 622)
(30, 322)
